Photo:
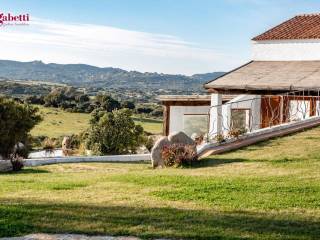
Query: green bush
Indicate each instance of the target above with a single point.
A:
(75, 141)
(113, 133)
(16, 121)
(107, 103)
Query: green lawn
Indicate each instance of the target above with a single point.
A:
(57, 122)
(267, 191)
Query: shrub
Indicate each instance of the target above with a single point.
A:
(176, 155)
(75, 141)
(16, 121)
(16, 161)
(49, 145)
(236, 132)
(113, 133)
(128, 104)
(219, 138)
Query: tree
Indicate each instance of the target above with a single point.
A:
(113, 133)
(82, 98)
(16, 121)
(145, 110)
(107, 103)
(128, 104)
(33, 99)
(55, 97)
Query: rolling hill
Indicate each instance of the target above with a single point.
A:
(82, 75)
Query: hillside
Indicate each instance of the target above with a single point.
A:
(83, 75)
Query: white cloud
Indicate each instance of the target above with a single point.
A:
(108, 46)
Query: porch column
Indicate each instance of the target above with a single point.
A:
(216, 114)
(166, 120)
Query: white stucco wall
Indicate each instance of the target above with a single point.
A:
(177, 112)
(286, 50)
(252, 102)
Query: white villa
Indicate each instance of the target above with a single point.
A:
(281, 84)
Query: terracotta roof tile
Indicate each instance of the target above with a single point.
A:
(306, 26)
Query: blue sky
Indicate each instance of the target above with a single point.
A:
(170, 36)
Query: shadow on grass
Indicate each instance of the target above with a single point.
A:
(20, 218)
(211, 162)
(25, 171)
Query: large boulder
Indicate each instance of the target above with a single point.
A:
(174, 138)
(156, 152)
(180, 138)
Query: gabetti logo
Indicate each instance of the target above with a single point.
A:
(11, 19)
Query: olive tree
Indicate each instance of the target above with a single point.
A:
(113, 133)
(16, 121)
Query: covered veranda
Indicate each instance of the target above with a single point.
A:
(270, 93)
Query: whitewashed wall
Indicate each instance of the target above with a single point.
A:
(251, 102)
(286, 50)
(177, 112)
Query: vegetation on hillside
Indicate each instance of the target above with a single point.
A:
(265, 191)
(82, 75)
(74, 100)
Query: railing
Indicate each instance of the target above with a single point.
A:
(248, 113)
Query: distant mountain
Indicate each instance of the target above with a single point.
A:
(83, 75)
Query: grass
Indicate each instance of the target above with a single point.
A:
(266, 191)
(57, 122)
(153, 126)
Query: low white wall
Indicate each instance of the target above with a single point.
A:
(286, 50)
(112, 158)
(251, 102)
(177, 112)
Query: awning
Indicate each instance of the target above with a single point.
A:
(270, 76)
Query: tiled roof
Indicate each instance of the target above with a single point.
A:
(305, 26)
